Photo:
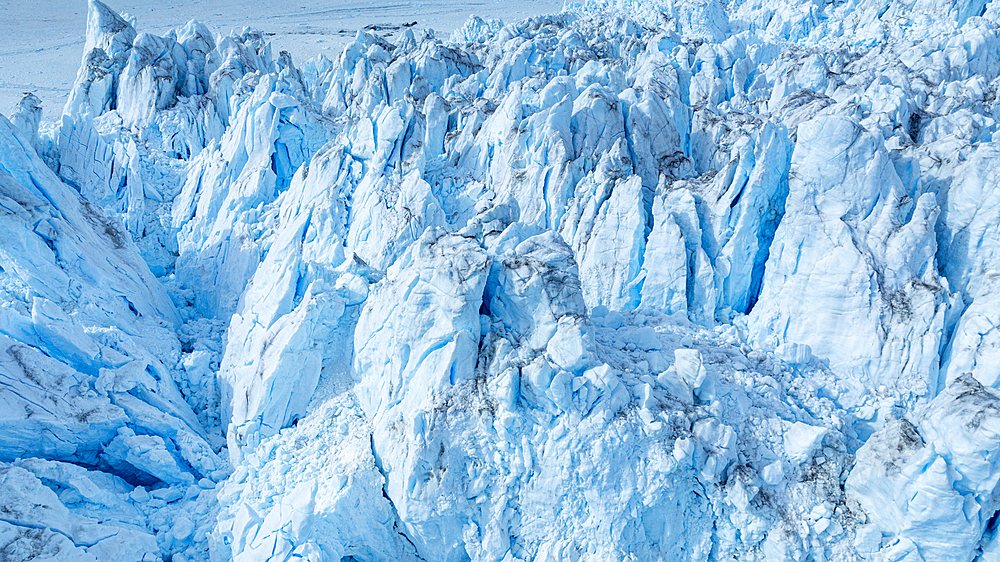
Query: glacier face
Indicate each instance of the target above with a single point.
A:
(643, 280)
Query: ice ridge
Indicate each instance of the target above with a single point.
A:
(642, 280)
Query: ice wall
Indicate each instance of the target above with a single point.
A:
(640, 281)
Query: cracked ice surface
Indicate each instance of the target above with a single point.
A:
(642, 280)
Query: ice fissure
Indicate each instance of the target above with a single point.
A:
(642, 280)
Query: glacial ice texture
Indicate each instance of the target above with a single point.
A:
(683, 280)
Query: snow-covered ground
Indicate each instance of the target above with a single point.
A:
(49, 34)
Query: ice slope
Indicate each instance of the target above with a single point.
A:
(87, 377)
(643, 281)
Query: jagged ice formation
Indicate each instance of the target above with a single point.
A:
(643, 280)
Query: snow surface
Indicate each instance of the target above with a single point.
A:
(641, 280)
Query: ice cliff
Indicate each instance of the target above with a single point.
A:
(683, 280)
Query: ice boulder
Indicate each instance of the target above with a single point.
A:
(801, 441)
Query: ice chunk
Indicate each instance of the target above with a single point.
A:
(821, 290)
(717, 442)
(794, 353)
(105, 53)
(688, 370)
(34, 515)
(801, 441)
(932, 484)
(278, 506)
(26, 116)
(139, 457)
(773, 474)
(294, 316)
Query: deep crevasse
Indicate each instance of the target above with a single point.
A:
(642, 280)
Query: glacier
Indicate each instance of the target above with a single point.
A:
(678, 280)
